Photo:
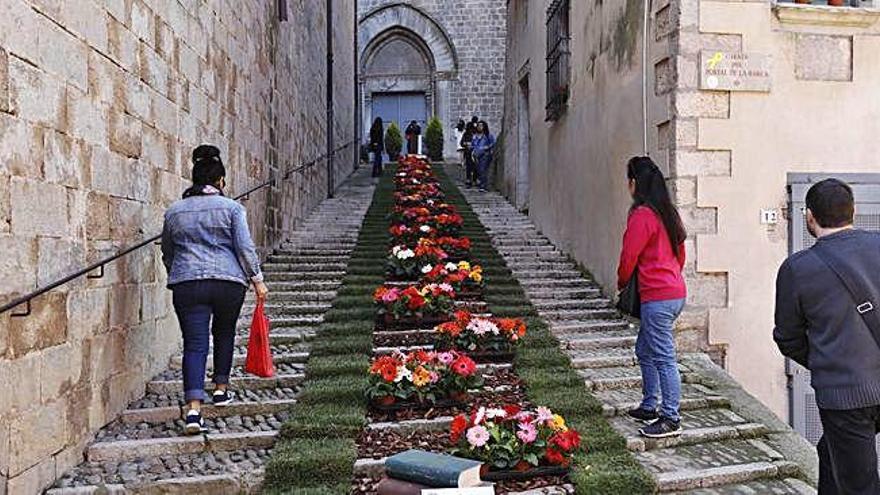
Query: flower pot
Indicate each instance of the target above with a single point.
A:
(522, 467)
(459, 397)
(836, 3)
(388, 322)
(386, 401)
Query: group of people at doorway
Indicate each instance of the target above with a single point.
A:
(827, 303)
(476, 146)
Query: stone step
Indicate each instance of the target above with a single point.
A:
(591, 327)
(309, 285)
(581, 314)
(542, 294)
(278, 357)
(302, 258)
(153, 415)
(302, 276)
(289, 380)
(617, 402)
(705, 465)
(699, 426)
(605, 341)
(174, 398)
(520, 241)
(786, 486)
(279, 309)
(535, 285)
(288, 336)
(297, 296)
(526, 274)
(220, 473)
(571, 304)
(516, 258)
(603, 358)
(304, 267)
(287, 322)
(128, 450)
(311, 251)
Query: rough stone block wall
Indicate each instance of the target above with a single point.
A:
(101, 102)
(478, 30)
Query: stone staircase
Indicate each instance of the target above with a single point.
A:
(730, 444)
(143, 450)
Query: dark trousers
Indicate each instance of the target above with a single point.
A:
(377, 163)
(483, 165)
(847, 452)
(206, 307)
(470, 167)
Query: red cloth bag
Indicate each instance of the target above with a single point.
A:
(259, 355)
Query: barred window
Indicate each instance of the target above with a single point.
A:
(558, 64)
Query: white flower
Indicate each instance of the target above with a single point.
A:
(431, 202)
(396, 250)
(481, 415)
(425, 228)
(452, 267)
(427, 269)
(406, 254)
(496, 413)
(480, 326)
(446, 287)
(403, 374)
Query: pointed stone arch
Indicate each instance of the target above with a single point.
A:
(412, 35)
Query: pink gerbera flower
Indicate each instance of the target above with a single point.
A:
(478, 436)
(544, 414)
(446, 358)
(527, 432)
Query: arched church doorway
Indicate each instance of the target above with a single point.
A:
(407, 67)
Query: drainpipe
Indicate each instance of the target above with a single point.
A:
(357, 98)
(330, 99)
(645, 34)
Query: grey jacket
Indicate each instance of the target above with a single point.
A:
(207, 238)
(818, 326)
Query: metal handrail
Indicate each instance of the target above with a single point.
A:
(99, 265)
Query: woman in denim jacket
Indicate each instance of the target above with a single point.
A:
(210, 258)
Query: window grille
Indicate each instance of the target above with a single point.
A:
(558, 58)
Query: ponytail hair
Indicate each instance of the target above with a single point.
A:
(651, 191)
(207, 169)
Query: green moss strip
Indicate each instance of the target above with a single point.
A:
(316, 451)
(608, 467)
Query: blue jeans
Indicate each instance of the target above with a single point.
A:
(483, 172)
(195, 304)
(655, 349)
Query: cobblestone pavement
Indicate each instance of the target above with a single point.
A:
(730, 444)
(143, 450)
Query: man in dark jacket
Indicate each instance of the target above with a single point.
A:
(470, 164)
(820, 325)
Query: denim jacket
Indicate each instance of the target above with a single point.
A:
(207, 238)
(483, 145)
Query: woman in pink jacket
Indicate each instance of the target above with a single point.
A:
(653, 250)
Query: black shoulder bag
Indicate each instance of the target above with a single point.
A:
(856, 285)
(629, 302)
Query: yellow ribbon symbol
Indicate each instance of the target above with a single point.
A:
(715, 60)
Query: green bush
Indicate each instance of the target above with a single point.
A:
(393, 141)
(311, 462)
(434, 139)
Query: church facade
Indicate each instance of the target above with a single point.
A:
(428, 58)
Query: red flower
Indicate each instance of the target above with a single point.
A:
(386, 366)
(512, 410)
(463, 317)
(415, 302)
(567, 440)
(555, 457)
(464, 366)
(459, 425)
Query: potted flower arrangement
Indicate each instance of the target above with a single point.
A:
(410, 235)
(420, 379)
(408, 264)
(447, 225)
(456, 247)
(466, 279)
(414, 306)
(485, 339)
(514, 443)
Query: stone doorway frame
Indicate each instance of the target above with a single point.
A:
(401, 21)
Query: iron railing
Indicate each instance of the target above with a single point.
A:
(99, 265)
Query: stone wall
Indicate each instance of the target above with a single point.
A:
(100, 105)
(732, 151)
(477, 30)
(570, 173)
